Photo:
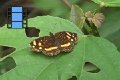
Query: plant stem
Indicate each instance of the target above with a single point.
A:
(67, 3)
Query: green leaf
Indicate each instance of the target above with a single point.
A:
(77, 16)
(37, 66)
(104, 55)
(112, 3)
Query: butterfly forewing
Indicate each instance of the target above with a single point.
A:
(64, 38)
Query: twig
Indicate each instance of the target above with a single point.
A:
(67, 3)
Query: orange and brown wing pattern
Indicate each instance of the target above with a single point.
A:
(50, 47)
(36, 45)
(66, 40)
(54, 44)
(46, 45)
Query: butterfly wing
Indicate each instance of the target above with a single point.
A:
(64, 39)
(45, 44)
(49, 47)
(54, 44)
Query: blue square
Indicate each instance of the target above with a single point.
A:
(16, 9)
(16, 24)
(16, 16)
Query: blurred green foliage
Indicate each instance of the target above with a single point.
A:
(56, 7)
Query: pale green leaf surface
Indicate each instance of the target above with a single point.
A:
(113, 3)
(104, 55)
(33, 66)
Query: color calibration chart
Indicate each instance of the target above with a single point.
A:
(17, 17)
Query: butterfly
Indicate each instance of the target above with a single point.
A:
(54, 44)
